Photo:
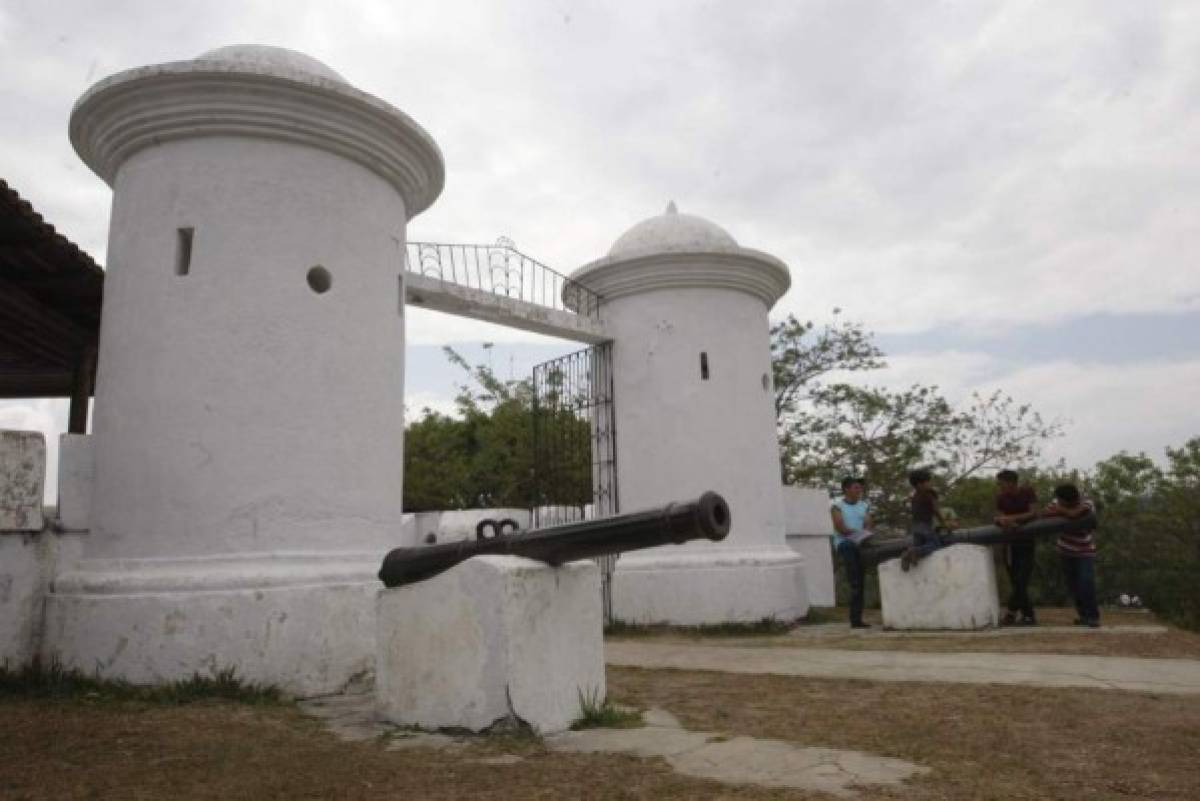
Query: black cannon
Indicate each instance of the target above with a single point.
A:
(705, 518)
(873, 551)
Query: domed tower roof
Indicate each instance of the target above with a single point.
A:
(681, 251)
(672, 231)
(269, 59)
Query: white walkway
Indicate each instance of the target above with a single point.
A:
(1174, 676)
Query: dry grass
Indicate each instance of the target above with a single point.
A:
(983, 742)
(1173, 643)
(57, 749)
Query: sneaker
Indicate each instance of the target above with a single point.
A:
(1028, 620)
(1079, 622)
(1009, 619)
(908, 559)
(860, 625)
(1092, 624)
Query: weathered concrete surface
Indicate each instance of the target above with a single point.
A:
(952, 588)
(493, 639)
(1173, 676)
(22, 477)
(742, 760)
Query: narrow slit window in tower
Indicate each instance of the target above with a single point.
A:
(703, 365)
(183, 251)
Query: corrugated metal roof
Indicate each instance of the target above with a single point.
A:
(50, 297)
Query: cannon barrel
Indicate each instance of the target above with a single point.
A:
(705, 518)
(875, 552)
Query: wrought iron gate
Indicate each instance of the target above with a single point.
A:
(574, 445)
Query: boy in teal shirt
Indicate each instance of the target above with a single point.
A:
(852, 526)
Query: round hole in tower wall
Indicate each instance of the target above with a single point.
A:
(319, 279)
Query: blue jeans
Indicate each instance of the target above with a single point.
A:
(855, 574)
(925, 539)
(1080, 574)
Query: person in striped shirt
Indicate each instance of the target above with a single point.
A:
(1077, 553)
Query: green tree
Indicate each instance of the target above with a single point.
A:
(801, 354)
(1149, 536)
(881, 434)
(483, 456)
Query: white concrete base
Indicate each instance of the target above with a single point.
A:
(952, 588)
(492, 639)
(304, 623)
(692, 588)
(28, 563)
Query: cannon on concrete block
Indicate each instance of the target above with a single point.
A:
(707, 517)
(875, 552)
(501, 640)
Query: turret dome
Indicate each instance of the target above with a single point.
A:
(274, 60)
(672, 232)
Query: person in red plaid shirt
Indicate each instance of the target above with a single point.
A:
(1077, 553)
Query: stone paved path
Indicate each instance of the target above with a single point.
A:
(1174, 676)
(840, 631)
(707, 755)
(741, 760)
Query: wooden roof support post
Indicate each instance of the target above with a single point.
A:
(81, 390)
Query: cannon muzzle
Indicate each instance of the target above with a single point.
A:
(707, 517)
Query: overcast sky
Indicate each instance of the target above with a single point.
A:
(1005, 192)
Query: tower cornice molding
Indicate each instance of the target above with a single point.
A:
(146, 107)
(736, 268)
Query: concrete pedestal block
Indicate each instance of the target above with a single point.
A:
(691, 588)
(952, 588)
(493, 639)
(22, 476)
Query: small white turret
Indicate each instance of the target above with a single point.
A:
(687, 308)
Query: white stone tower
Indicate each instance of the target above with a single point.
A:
(249, 404)
(687, 309)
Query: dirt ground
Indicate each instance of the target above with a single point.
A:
(1173, 643)
(982, 742)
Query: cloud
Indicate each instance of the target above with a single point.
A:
(1145, 406)
(967, 168)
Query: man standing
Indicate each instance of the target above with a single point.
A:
(1017, 504)
(1077, 553)
(852, 526)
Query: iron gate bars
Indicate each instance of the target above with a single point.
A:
(575, 446)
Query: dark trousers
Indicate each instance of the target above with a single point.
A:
(925, 539)
(1080, 574)
(855, 574)
(1020, 568)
